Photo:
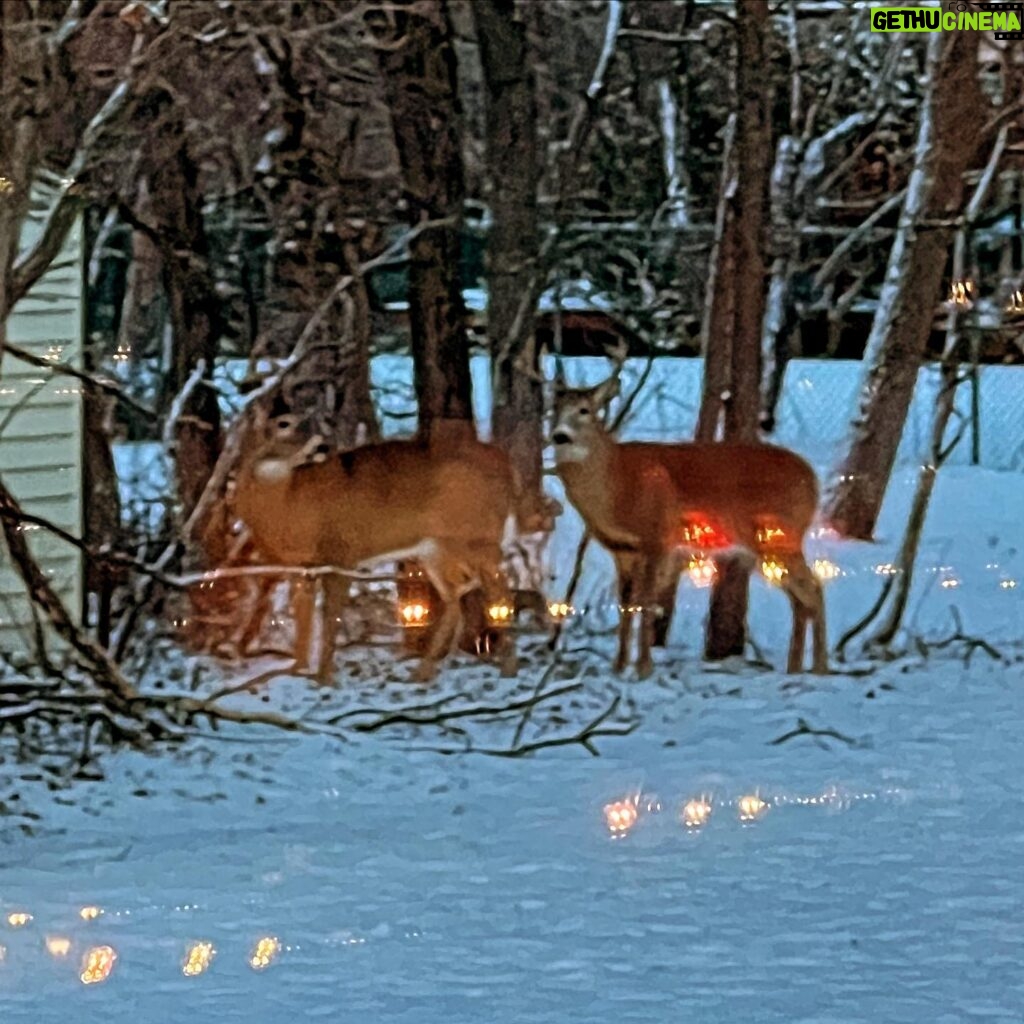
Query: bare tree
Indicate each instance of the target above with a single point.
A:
(948, 137)
(417, 60)
(513, 170)
(322, 220)
(732, 341)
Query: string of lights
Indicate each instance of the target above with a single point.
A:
(96, 961)
(623, 815)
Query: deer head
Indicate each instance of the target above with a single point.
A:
(577, 425)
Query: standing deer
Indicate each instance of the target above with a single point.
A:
(647, 503)
(308, 506)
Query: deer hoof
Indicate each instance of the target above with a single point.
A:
(644, 669)
(424, 672)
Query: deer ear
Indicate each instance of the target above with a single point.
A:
(605, 392)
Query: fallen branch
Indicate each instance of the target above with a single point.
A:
(584, 737)
(804, 729)
(972, 643)
(100, 665)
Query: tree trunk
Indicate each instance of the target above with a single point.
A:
(948, 137)
(101, 521)
(513, 243)
(716, 330)
(418, 65)
(194, 311)
(316, 243)
(738, 301)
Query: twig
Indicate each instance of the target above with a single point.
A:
(584, 737)
(404, 717)
(803, 729)
(108, 387)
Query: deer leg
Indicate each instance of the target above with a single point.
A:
(625, 566)
(335, 594)
(806, 588)
(650, 574)
(303, 607)
(668, 585)
(450, 581)
(798, 636)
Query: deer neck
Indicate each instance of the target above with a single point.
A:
(591, 485)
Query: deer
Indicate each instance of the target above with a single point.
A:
(649, 503)
(448, 507)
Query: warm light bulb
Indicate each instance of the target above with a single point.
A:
(620, 816)
(97, 964)
(198, 959)
(263, 954)
(18, 919)
(57, 946)
(499, 612)
(702, 571)
(89, 913)
(696, 813)
(751, 807)
(825, 570)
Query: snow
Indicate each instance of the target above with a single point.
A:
(881, 882)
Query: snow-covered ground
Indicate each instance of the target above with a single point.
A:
(880, 881)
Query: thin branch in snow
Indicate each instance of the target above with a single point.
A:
(804, 729)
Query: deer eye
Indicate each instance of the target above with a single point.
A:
(584, 410)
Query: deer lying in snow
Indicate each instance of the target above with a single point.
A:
(445, 507)
(648, 503)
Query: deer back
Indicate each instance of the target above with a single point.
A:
(376, 501)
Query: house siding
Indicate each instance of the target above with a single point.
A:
(41, 427)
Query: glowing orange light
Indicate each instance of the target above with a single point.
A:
(263, 955)
(767, 535)
(89, 913)
(97, 964)
(751, 807)
(773, 570)
(700, 533)
(198, 959)
(57, 945)
(696, 812)
(702, 571)
(825, 570)
(414, 613)
(961, 294)
(499, 613)
(18, 919)
(620, 816)
(560, 610)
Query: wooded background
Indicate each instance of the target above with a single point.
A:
(314, 183)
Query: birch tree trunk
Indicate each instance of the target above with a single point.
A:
(418, 65)
(948, 137)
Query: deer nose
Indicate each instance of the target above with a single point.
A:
(561, 437)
